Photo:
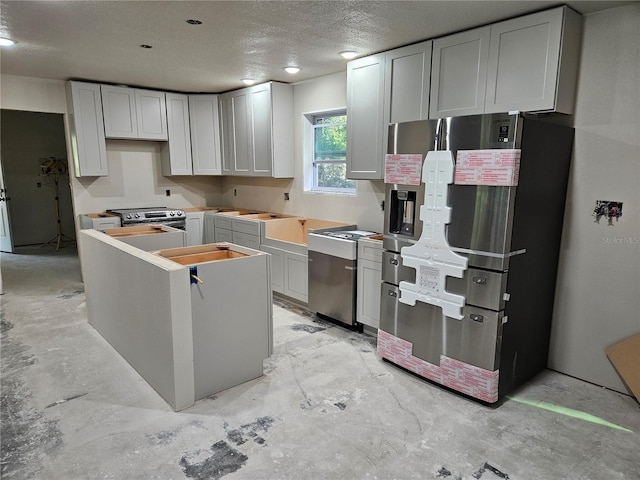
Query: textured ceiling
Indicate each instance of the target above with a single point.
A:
(100, 40)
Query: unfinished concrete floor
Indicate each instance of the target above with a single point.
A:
(326, 408)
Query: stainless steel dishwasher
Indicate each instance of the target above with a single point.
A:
(333, 273)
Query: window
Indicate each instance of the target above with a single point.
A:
(328, 152)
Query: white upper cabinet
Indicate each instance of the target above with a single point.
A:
(407, 78)
(134, 113)
(365, 117)
(385, 88)
(257, 131)
(528, 64)
(226, 133)
(86, 129)
(533, 62)
(459, 73)
(176, 152)
(205, 134)
(151, 113)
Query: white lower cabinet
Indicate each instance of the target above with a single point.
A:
(223, 235)
(209, 222)
(289, 273)
(369, 282)
(296, 272)
(277, 267)
(246, 240)
(195, 228)
(99, 221)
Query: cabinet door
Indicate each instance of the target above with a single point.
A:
(296, 271)
(241, 132)
(176, 153)
(407, 81)
(205, 134)
(260, 130)
(277, 267)
(523, 63)
(209, 228)
(194, 221)
(369, 284)
(119, 109)
(365, 112)
(224, 235)
(226, 134)
(151, 114)
(459, 73)
(86, 124)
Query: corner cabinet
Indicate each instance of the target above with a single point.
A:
(86, 129)
(134, 113)
(176, 152)
(544, 78)
(257, 131)
(385, 88)
(205, 134)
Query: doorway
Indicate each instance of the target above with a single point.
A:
(29, 142)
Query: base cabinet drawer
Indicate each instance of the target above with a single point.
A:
(224, 235)
(246, 240)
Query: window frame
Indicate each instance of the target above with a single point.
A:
(310, 163)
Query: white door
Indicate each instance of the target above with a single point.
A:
(6, 243)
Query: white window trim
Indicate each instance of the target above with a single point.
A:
(307, 154)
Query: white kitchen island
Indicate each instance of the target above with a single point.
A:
(192, 321)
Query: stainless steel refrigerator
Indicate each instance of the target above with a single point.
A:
(508, 232)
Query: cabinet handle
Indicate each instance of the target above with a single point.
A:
(479, 280)
(347, 267)
(392, 294)
(476, 318)
(393, 261)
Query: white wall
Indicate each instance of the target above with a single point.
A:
(323, 93)
(598, 290)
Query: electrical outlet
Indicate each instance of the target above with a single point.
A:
(286, 195)
(168, 192)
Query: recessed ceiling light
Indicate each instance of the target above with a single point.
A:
(6, 42)
(144, 45)
(248, 81)
(348, 54)
(291, 69)
(194, 22)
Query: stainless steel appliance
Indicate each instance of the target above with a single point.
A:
(332, 273)
(510, 235)
(171, 217)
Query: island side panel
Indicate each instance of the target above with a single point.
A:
(138, 302)
(232, 322)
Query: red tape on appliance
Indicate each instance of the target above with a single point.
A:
(500, 168)
(460, 376)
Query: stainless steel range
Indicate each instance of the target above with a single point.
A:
(332, 273)
(171, 217)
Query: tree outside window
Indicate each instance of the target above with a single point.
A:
(330, 153)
